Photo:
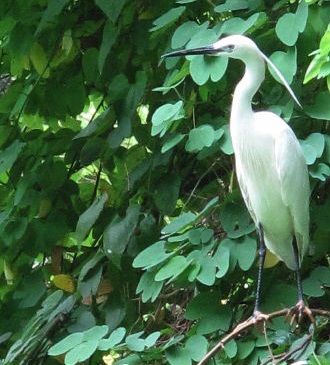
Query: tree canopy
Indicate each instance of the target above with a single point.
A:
(123, 235)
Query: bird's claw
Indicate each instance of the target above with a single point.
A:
(298, 311)
(259, 317)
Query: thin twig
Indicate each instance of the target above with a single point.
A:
(251, 322)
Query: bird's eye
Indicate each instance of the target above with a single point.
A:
(228, 48)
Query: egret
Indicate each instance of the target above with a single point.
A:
(270, 165)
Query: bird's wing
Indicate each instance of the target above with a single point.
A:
(244, 190)
(293, 176)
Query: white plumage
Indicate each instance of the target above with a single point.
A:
(270, 164)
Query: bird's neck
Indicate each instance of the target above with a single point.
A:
(246, 89)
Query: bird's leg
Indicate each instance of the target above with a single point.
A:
(300, 307)
(262, 253)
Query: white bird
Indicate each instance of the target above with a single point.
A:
(270, 165)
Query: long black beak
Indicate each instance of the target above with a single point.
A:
(206, 50)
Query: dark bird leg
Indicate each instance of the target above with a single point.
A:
(296, 257)
(262, 254)
(300, 307)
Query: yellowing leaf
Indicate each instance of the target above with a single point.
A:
(9, 274)
(67, 42)
(64, 282)
(44, 208)
(39, 60)
(270, 260)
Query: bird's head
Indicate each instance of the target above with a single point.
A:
(234, 46)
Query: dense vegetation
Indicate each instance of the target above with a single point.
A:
(123, 235)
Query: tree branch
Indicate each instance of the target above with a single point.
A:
(251, 322)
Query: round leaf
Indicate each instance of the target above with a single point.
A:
(95, 333)
(151, 256)
(200, 137)
(287, 29)
(199, 70)
(177, 356)
(183, 34)
(246, 252)
(173, 268)
(231, 348)
(66, 344)
(81, 352)
(197, 347)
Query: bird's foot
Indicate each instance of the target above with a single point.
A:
(298, 311)
(258, 317)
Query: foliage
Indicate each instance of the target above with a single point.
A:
(117, 183)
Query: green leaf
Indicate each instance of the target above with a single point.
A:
(301, 16)
(95, 333)
(111, 8)
(172, 142)
(183, 34)
(321, 171)
(174, 267)
(178, 356)
(240, 26)
(313, 147)
(197, 346)
(195, 236)
(319, 109)
(54, 8)
(119, 232)
(199, 70)
(167, 192)
(200, 137)
(245, 348)
(222, 260)
(149, 287)
(317, 141)
(231, 349)
(81, 352)
(89, 217)
(135, 343)
(7, 23)
(246, 252)
(110, 34)
(290, 25)
(90, 65)
(151, 256)
(164, 116)
(115, 338)
(287, 21)
(66, 344)
(207, 271)
(179, 223)
(126, 110)
(152, 339)
(211, 315)
(235, 220)
(312, 287)
(232, 5)
(29, 296)
(225, 142)
(170, 17)
(287, 30)
(10, 155)
(286, 63)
